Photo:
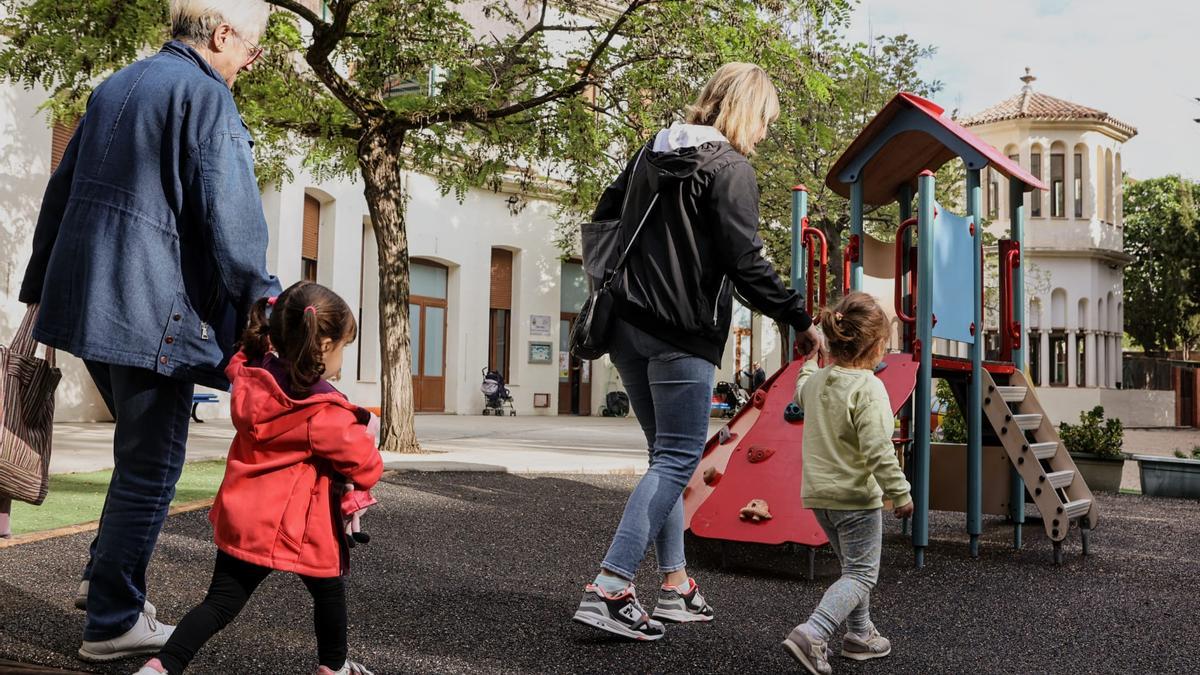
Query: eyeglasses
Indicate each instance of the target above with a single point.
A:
(254, 50)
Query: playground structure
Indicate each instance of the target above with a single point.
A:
(938, 289)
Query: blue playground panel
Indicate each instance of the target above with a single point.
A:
(953, 285)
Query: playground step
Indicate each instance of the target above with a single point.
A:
(1077, 508)
(1060, 479)
(1044, 450)
(1013, 394)
(1028, 421)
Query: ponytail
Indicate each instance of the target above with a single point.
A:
(306, 357)
(256, 339)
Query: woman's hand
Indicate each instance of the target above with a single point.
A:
(811, 343)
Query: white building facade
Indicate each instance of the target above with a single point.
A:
(1074, 255)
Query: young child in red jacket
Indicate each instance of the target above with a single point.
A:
(284, 503)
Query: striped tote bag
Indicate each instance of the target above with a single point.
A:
(27, 385)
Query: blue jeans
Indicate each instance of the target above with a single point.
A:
(857, 539)
(152, 414)
(671, 394)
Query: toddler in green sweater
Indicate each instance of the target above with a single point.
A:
(850, 465)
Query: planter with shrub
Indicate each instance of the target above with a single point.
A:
(1095, 447)
(1177, 476)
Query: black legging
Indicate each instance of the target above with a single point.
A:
(232, 585)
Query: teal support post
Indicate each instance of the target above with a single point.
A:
(974, 414)
(799, 213)
(1016, 209)
(904, 199)
(856, 230)
(922, 398)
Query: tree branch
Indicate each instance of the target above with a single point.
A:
(300, 10)
(326, 37)
(585, 79)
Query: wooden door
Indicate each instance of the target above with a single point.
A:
(574, 375)
(427, 326)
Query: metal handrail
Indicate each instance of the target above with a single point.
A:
(904, 226)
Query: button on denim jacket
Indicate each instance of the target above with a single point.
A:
(151, 243)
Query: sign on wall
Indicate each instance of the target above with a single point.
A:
(541, 352)
(539, 325)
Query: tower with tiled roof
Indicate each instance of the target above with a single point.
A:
(1074, 238)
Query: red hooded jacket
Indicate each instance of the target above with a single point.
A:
(278, 505)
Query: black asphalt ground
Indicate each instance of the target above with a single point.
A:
(480, 573)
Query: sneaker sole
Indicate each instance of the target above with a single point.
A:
(865, 656)
(93, 657)
(606, 624)
(794, 649)
(680, 616)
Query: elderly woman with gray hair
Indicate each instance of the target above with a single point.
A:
(150, 249)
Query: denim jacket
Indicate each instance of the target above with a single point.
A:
(151, 243)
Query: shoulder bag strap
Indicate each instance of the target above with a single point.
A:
(625, 254)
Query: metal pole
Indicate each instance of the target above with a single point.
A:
(1016, 209)
(974, 413)
(906, 411)
(856, 230)
(924, 346)
(799, 212)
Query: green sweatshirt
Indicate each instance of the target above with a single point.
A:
(848, 451)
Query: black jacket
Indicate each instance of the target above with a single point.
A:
(699, 243)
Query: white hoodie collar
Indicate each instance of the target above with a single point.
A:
(686, 136)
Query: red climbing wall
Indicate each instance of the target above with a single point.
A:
(762, 458)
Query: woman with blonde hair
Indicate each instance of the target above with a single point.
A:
(688, 204)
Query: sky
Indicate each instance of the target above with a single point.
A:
(1137, 60)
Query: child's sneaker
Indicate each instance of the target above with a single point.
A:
(349, 668)
(620, 614)
(866, 647)
(810, 652)
(678, 607)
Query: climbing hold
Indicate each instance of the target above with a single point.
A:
(758, 453)
(880, 367)
(712, 476)
(757, 511)
(725, 435)
(793, 413)
(760, 398)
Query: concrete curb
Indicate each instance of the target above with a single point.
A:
(90, 526)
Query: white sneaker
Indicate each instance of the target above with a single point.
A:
(81, 601)
(146, 637)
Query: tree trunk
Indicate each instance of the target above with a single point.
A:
(379, 159)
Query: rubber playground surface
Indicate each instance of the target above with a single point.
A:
(480, 573)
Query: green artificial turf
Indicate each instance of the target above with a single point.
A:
(76, 498)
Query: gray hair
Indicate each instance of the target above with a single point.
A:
(194, 21)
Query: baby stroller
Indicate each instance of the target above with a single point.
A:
(728, 399)
(616, 404)
(497, 398)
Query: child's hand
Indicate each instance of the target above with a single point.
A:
(905, 511)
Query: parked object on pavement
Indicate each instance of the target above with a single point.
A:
(498, 399)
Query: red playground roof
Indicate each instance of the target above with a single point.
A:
(906, 153)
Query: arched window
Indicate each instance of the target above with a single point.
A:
(1101, 189)
(1058, 180)
(1058, 338)
(1111, 319)
(1078, 178)
(1035, 167)
(1109, 192)
(1119, 191)
(1081, 322)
